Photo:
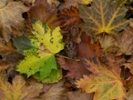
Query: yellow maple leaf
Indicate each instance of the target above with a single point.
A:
(106, 83)
(18, 89)
(103, 17)
(51, 39)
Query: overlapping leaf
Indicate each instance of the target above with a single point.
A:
(103, 17)
(40, 51)
(18, 90)
(106, 83)
(51, 39)
(10, 17)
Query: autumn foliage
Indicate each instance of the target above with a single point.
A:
(66, 50)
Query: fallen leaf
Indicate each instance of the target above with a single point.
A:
(130, 93)
(26, 45)
(125, 41)
(55, 92)
(75, 3)
(42, 10)
(51, 39)
(18, 90)
(78, 95)
(103, 17)
(106, 83)
(108, 43)
(56, 2)
(69, 22)
(6, 48)
(39, 51)
(8, 15)
(75, 69)
(91, 50)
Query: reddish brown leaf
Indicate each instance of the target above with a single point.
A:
(70, 22)
(42, 10)
(86, 49)
(76, 68)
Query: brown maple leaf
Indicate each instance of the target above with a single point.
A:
(11, 16)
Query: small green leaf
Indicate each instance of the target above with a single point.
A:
(49, 64)
(33, 64)
(22, 43)
(53, 77)
(25, 45)
(51, 39)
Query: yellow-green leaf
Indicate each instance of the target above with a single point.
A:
(51, 39)
(103, 17)
(106, 83)
(41, 63)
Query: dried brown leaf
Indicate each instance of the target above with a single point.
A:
(125, 42)
(42, 10)
(55, 92)
(78, 95)
(18, 89)
(11, 16)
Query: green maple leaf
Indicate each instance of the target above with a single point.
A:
(33, 64)
(39, 62)
(54, 76)
(103, 17)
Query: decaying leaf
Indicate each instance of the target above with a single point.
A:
(78, 95)
(42, 10)
(56, 2)
(70, 23)
(103, 17)
(76, 69)
(130, 93)
(108, 43)
(125, 42)
(18, 90)
(105, 82)
(10, 17)
(55, 92)
(75, 3)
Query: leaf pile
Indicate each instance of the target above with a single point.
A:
(66, 50)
